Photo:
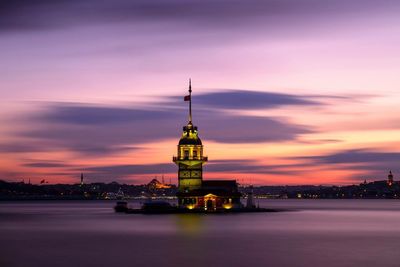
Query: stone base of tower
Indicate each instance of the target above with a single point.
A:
(213, 195)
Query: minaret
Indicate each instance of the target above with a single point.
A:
(81, 179)
(390, 179)
(250, 199)
(190, 159)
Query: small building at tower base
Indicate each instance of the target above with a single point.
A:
(213, 195)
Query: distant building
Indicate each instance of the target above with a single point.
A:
(250, 200)
(390, 179)
(193, 192)
(155, 184)
(81, 184)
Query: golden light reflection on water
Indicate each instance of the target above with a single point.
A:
(190, 224)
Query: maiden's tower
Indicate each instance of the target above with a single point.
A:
(193, 191)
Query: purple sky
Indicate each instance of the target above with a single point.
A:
(285, 91)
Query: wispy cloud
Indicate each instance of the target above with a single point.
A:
(356, 156)
(246, 99)
(92, 130)
(45, 14)
(132, 169)
(365, 163)
(218, 166)
(99, 129)
(46, 165)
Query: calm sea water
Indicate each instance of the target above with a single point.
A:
(316, 233)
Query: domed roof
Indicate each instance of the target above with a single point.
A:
(190, 136)
(187, 140)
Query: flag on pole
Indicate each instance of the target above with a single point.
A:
(187, 98)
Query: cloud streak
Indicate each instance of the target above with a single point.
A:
(355, 156)
(90, 130)
(218, 166)
(21, 15)
(93, 129)
(366, 163)
(243, 99)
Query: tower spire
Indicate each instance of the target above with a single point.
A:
(190, 100)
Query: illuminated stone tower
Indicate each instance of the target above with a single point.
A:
(190, 157)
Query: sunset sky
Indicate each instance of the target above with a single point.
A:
(284, 91)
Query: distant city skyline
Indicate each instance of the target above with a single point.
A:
(284, 92)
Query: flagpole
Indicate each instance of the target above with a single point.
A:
(190, 100)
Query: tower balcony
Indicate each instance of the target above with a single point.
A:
(188, 158)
